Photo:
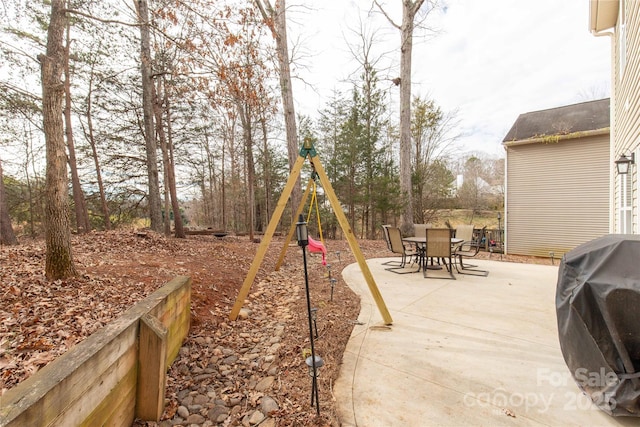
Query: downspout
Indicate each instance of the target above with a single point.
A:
(612, 132)
(608, 18)
(505, 215)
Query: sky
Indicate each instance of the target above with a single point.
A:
(489, 61)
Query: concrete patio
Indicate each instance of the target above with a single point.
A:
(471, 351)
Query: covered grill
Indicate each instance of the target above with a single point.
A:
(598, 310)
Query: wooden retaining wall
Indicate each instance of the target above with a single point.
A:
(112, 377)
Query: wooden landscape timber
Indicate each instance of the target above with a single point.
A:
(112, 377)
(206, 232)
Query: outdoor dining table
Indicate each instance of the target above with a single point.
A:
(420, 241)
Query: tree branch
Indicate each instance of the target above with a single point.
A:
(104, 21)
(267, 17)
(8, 87)
(386, 15)
(416, 7)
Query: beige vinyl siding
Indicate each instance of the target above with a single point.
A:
(626, 108)
(557, 195)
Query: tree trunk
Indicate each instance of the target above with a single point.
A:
(159, 123)
(286, 88)
(279, 31)
(245, 119)
(31, 186)
(171, 196)
(155, 207)
(406, 215)
(409, 10)
(209, 185)
(267, 173)
(82, 217)
(96, 161)
(251, 185)
(166, 209)
(7, 236)
(59, 259)
(167, 197)
(223, 186)
(175, 205)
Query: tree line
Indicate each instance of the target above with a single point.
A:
(170, 113)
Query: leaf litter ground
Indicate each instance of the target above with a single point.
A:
(40, 320)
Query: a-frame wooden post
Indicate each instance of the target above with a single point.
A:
(292, 229)
(268, 235)
(308, 151)
(353, 243)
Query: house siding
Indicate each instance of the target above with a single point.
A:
(557, 195)
(626, 106)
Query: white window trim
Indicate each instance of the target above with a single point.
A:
(636, 199)
(625, 205)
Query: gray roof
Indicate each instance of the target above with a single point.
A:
(583, 117)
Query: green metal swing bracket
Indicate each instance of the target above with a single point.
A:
(308, 149)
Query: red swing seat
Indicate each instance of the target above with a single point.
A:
(316, 246)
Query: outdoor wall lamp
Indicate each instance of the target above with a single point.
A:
(624, 162)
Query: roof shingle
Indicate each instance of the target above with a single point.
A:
(582, 117)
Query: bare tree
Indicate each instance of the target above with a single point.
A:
(90, 137)
(475, 191)
(7, 236)
(370, 108)
(59, 259)
(162, 106)
(277, 22)
(80, 207)
(178, 225)
(155, 208)
(410, 9)
(433, 133)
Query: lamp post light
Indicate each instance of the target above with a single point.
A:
(314, 363)
(314, 318)
(302, 234)
(333, 284)
(329, 270)
(338, 255)
(319, 364)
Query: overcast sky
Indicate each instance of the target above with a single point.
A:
(491, 61)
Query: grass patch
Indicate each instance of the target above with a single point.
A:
(466, 216)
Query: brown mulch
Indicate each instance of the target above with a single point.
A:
(40, 320)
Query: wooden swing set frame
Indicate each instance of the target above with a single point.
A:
(307, 151)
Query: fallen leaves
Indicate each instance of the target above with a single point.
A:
(40, 320)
